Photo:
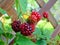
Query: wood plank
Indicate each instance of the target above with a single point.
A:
(57, 30)
(50, 18)
(41, 3)
(6, 4)
(11, 12)
(47, 6)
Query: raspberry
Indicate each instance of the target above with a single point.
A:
(26, 29)
(38, 16)
(34, 17)
(45, 14)
(15, 26)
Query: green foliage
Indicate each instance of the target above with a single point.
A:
(2, 42)
(41, 42)
(38, 33)
(43, 32)
(1, 28)
(2, 11)
(7, 28)
(43, 29)
(22, 40)
(21, 6)
(8, 35)
(46, 1)
(7, 24)
(57, 38)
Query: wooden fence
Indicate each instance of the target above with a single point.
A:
(7, 6)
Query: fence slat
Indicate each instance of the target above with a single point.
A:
(57, 30)
(50, 18)
(11, 12)
(7, 6)
(41, 3)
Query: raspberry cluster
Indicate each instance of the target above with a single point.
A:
(34, 17)
(27, 29)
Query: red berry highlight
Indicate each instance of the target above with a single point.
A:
(15, 26)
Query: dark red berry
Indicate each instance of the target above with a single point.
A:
(34, 17)
(45, 14)
(26, 29)
(15, 26)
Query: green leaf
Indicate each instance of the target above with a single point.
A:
(22, 40)
(38, 33)
(2, 11)
(46, 34)
(45, 30)
(21, 6)
(57, 37)
(41, 42)
(7, 28)
(7, 24)
(8, 35)
(1, 28)
(1, 42)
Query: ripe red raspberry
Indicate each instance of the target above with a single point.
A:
(38, 16)
(26, 29)
(45, 14)
(34, 17)
(15, 26)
